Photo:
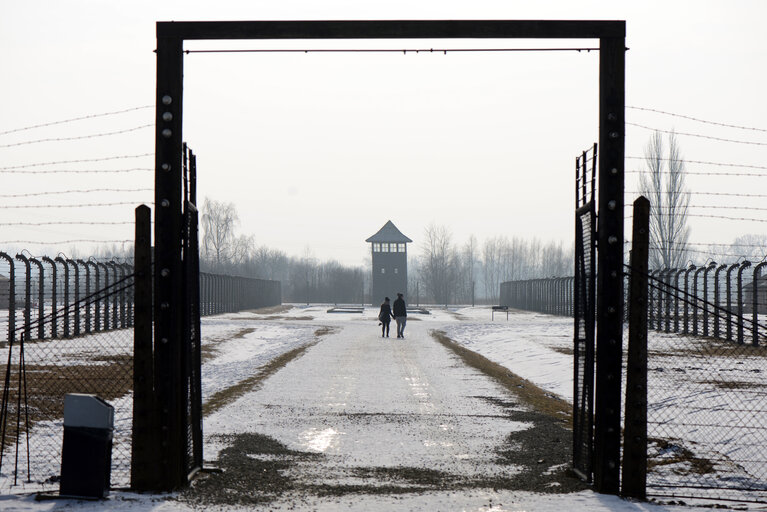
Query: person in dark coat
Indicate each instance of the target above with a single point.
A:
(400, 315)
(384, 317)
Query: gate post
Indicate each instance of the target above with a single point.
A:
(168, 279)
(634, 480)
(609, 335)
(145, 450)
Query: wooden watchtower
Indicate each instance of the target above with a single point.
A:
(389, 251)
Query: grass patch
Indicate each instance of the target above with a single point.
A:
(210, 350)
(108, 377)
(232, 393)
(667, 453)
(528, 392)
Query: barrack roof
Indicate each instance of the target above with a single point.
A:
(389, 233)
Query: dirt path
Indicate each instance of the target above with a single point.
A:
(358, 418)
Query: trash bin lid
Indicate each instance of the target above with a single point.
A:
(81, 410)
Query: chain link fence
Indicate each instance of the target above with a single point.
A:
(66, 326)
(38, 371)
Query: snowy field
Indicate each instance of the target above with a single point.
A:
(534, 346)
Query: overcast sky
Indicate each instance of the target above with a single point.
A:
(320, 150)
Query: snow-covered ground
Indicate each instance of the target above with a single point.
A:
(533, 346)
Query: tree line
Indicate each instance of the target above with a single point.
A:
(443, 271)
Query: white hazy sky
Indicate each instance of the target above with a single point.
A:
(320, 150)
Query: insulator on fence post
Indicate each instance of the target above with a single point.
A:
(729, 299)
(743, 266)
(717, 302)
(54, 302)
(755, 299)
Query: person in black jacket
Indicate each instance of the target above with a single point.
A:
(400, 315)
(384, 317)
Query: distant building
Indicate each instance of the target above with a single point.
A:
(389, 251)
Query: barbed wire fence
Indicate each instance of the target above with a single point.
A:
(66, 304)
(707, 345)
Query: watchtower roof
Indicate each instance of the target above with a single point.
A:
(389, 233)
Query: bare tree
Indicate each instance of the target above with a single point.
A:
(664, 185)
(439, 263)
(219, 242)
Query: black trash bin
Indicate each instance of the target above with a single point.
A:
(86, 456)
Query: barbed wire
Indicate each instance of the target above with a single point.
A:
(61, 242)
(696, 119)
(68, 223)
(81, 118)
(77, 137)
(709, 137)
(713, 207)
(80, 161)
(89, 205)
(82, 171)
(702, 162)
(716, 173)
(699, 193)
(78, 191)
(701, 215)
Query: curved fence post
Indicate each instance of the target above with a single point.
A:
(40, 298)
(676, 298)
(668, 301)
(27, 296)
(711, 266)
(114, 294)
(696, 300)
(687, 299)
(103, 295)
(729, 299)
(128, 297)
(54, 302)
(743, 266)
(755, 312)
(121, 295)
(11, 297)
(87, 299)
(77, 296)
(66, 294)
(717, 302)
(96, 295)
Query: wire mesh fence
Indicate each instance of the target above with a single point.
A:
(66, 326)
(706, 397)
(39, 371)
(707, 361)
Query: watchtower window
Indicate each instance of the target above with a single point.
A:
(376, 247)
(396, 271)
(383, 270)
(401, 248)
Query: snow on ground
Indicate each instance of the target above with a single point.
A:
(533, 346)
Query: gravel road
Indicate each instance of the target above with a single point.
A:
(360, 417)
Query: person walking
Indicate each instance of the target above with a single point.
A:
(400, 315)
(384, 317)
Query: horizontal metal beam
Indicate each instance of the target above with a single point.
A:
(392, 29)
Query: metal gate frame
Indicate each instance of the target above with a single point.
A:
(584, 315)
(171, 297)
